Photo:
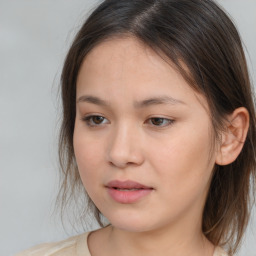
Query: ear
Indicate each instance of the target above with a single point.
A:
(233, 137)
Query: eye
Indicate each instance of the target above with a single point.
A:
(160, 121)
(94, 120)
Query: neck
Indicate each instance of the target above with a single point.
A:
(159, 242)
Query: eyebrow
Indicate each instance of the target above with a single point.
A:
(137, 104)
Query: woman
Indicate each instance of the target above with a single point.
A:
(159, 129)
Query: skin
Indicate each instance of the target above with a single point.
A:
(173, 157)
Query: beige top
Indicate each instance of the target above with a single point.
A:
(75, 246)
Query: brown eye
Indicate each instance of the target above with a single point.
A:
(97, 119)
(161, 122)
(157, 121)
(94, 120)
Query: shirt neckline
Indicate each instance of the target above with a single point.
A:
(83, 249)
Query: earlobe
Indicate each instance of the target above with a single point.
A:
(233, 137)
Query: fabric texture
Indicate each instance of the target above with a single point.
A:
(75, 246)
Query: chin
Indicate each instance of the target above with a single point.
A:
(131, 223)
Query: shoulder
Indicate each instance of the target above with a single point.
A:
(219, 252)
(76, 245)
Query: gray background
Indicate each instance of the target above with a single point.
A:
(34, 37)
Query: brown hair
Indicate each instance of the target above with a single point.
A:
(200, 35)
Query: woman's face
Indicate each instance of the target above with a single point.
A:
(142, 138)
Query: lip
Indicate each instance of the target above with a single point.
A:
(135, 191)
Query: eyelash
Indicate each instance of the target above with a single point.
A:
(88, 120)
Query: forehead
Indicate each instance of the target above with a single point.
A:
(126, 66)
(125, 53)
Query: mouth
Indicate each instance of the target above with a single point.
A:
(126, 185)
(128, 191)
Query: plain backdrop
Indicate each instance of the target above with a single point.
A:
(34, 38)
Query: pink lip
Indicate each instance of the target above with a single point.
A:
(125, 196)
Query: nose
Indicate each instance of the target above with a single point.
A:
(125, 147)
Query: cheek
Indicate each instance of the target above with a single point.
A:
(183, 161)
(88, 154)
